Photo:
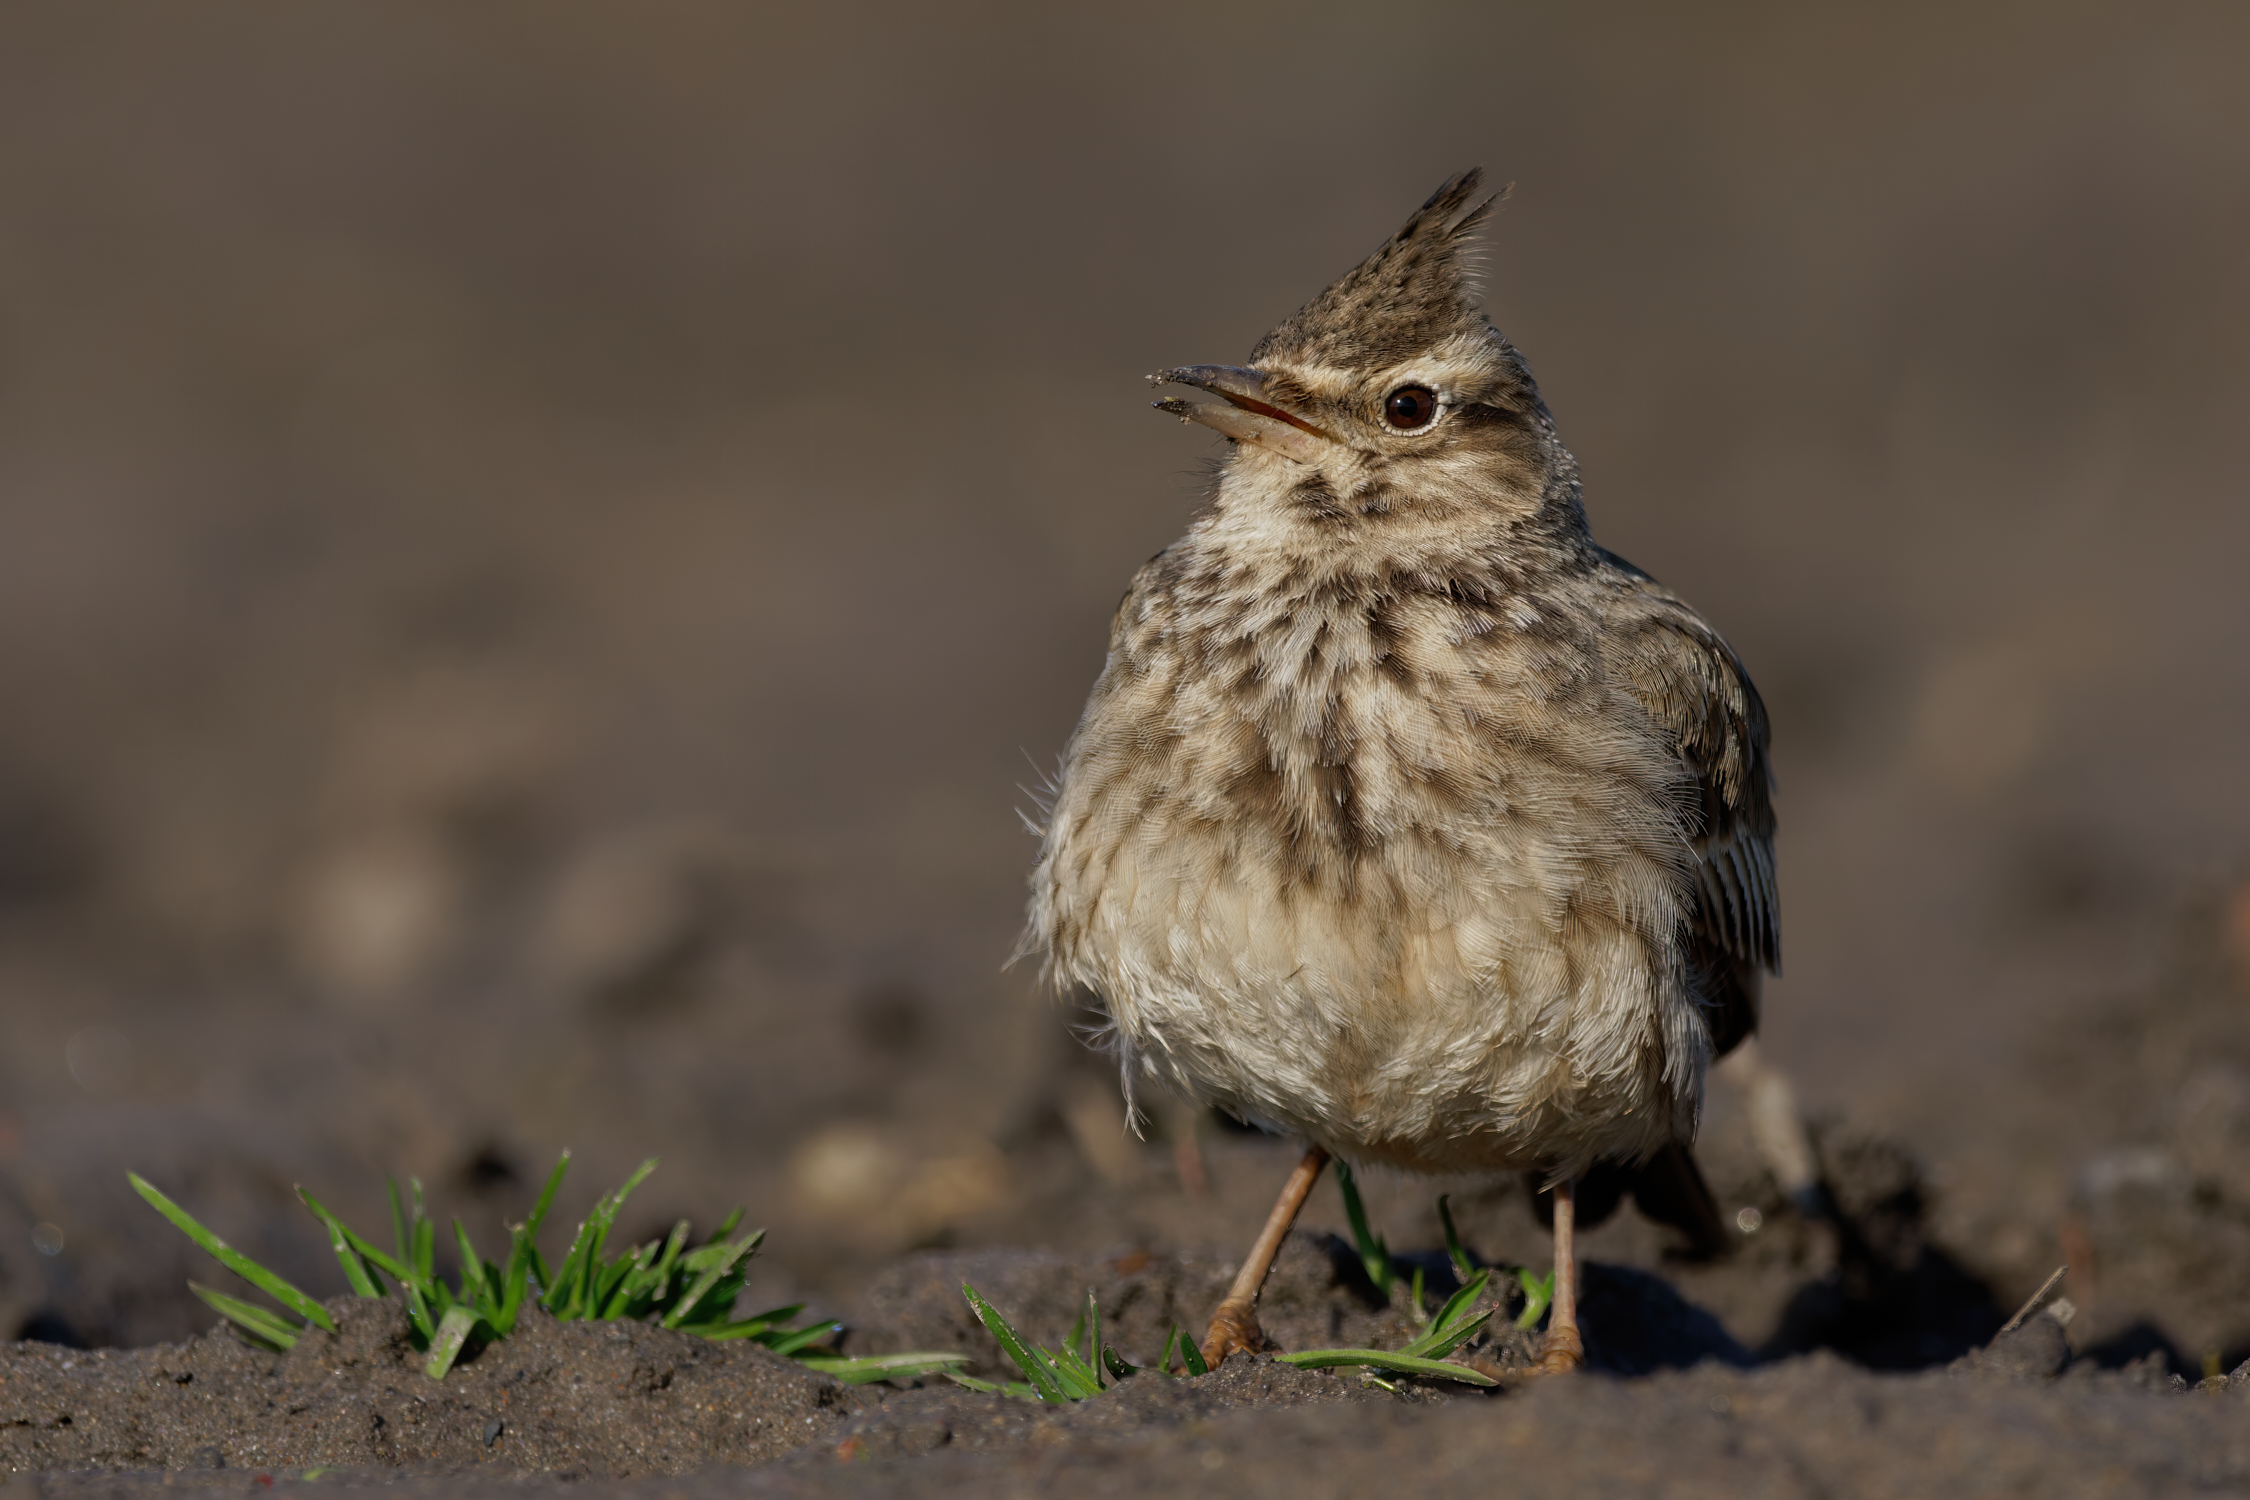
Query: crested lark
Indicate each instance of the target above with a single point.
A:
(1404, 817)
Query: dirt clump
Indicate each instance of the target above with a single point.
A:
(606, 1398)
(1318, 1296)
(611, 1409)
(1809, 1426)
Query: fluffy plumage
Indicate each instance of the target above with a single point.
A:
(1403, 816)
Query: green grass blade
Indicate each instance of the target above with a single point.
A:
(654, 1278)
(704, 1257)
(476, 1290)
(513, 1281)
(1374, 1255)
(773, 1322)
(1443, 1330)
(233, 1259)
(1079, 1375)
(1015, 1388)
(1118, 1366)
(1538, 1291)
(546, 1197)
(751, 1327)
(608, 1298)
(716, 1305)
(688, 1303)
(1382, 1359)
(1459, 1334)
(1076, 1338)
(262, 1323)
(1459, 1303)
(357, 1272)
(672, 1248)
(1054, 1374)
(868, 1368)
(1454, 1249)
(626, 1277)
(1191, 1356)
(1094, 1336)
(523, 1252)
(727, 1227)
(418, 1313)
(399, 1240)
(586, 1285)
(1078, 1379)
(452, 1333)
(1437, 1343)
(539, 1272)
(609, 1206)
(1041, 1377)
(801, 1338)
(639, 1296)
(592, 1281)
(566, 1291)
(611, 1279)
(572, 1288)
(591, 1272)
(388, 1265)
(989, 1388)
(265, 1326)
(608, 1209)
(640, 1175)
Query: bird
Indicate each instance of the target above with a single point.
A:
(1403, 817)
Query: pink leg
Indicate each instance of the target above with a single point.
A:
(1564, 1351)
(1235, 1325)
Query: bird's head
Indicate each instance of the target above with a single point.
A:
(1388, 395)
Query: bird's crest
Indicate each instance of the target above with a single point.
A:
(1402, 300)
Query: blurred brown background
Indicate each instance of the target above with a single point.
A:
(539, 542)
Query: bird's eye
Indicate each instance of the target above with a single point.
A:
(1409, 407)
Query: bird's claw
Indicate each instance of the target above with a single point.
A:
(1234, 1330)
(1562, 1352)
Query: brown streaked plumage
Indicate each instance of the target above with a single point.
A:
(1403, 817)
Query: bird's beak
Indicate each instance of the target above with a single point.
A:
(1248, 417)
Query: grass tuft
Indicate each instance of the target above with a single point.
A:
(663, 1282)
(1076, 1371)
(1463, 1266)
(1084, 1366)
(1538, 1291)
(1374, 1255)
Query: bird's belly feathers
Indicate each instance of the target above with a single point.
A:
(1437, 939)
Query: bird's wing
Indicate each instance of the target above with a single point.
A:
(1692, 684)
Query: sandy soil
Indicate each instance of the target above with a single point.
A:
(1861, 1360)
(581, 1408)
(537, 543)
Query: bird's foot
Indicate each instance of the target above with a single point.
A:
(1562, 1352)
(1234, 1329)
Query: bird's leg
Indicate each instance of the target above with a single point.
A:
(1235, 1325)
(1563, 1350)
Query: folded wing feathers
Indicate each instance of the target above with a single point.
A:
(1735, 887)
